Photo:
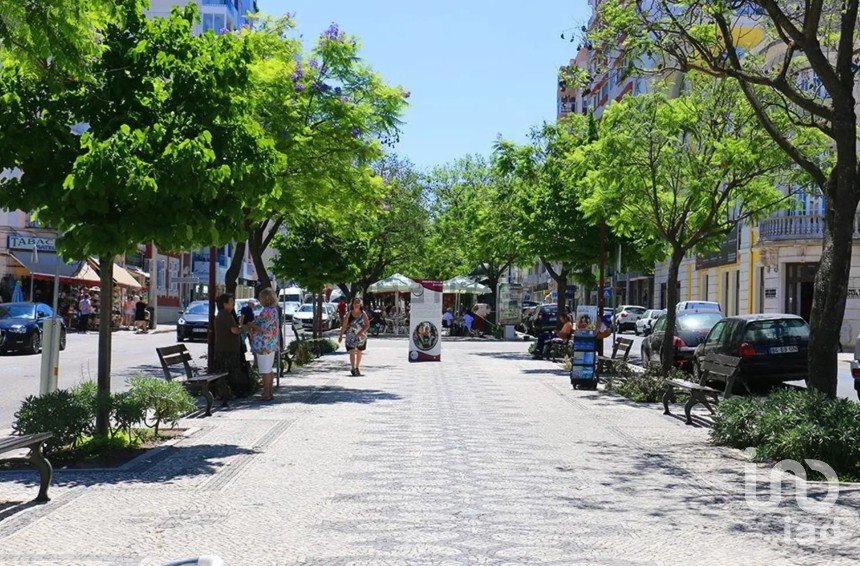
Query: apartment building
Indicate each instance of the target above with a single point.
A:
(215, 15)
(766, 267)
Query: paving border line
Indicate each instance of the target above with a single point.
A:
(20, 520)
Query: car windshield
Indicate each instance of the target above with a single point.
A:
(307, 308)
(701, 321)
(17, 311)
(777, 332)
(703, 306)
(197, 308)
(635, 310)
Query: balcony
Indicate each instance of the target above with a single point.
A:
(808, 227)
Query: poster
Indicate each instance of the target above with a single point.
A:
(510, 305)
(586, 318)
(584, 359)
(425, 321)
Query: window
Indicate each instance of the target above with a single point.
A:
(716, 334)
(161, 275)
(704, 292)
(761, 289)
(779, 332)
(737, 291)
(174, 274)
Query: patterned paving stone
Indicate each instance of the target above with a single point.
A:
(486, 458)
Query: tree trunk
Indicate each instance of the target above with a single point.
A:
(831, 281)
(105, 312)
(668, 347)
(231, 278)
(256, 249)
(318, 315)
(493, 277)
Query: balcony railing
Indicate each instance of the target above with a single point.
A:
(808, 227)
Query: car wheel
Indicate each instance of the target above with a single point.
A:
(35, 343)
(62, 339)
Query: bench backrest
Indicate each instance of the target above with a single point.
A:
(718, 367)
(624, 345)
(15, 442)
(172, 357)
(298, 330)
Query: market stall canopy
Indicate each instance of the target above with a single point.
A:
(124, 279)
(462, 285)
(46, 264)
(397, 283)
(10, 265)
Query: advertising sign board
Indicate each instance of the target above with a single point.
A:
(425, 322)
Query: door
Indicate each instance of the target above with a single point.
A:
(799, 285)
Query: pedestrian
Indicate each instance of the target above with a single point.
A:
(355, 327)
(128, 312)
(264, 340)
(341, 308)
(140, 314)
(228, 346)
(246, 315)
(85, 308)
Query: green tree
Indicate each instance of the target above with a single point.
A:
(329, 114)
(170, 153)
(682, 172)
(802, 72)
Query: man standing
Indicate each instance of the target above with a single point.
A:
(341, 308)
(228, 346)
(85, 308)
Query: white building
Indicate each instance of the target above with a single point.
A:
(215, 15)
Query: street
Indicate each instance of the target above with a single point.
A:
(488, 457)
(133, 354)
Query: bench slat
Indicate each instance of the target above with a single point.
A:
(207, 377)
(15, 442)
(177, 359)
(691, 385)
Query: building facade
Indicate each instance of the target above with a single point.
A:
(215, 15)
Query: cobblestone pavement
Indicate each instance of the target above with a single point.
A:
(485, 458)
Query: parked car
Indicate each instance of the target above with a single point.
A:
(527, 314)
(240, 304)
(334, 318)
(855, 366)
(646, 323)
(193, 322)
(691, 328)
(21, 327)
(772, 347)
(290, 308)
(698, 306)
(305, 316)
(625, 317)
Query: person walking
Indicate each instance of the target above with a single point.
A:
(228, 346)
(355, 327)
(140, 315)
(85, 308)
(264, 340)
(128, 312)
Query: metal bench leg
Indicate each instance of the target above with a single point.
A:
(669, 395)
(209, 398)
(46, 471)
(688, 407)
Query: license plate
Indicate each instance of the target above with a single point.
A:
(200, 330)
(783, 350)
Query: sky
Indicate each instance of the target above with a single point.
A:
(476, 69)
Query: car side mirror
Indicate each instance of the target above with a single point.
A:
(181, 312)
(41, 315)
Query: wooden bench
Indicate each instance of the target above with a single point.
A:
(623, 345)
(34, 442)
(715, 367)
(197, 383)
(300, 332)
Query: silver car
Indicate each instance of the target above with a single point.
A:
(645, 324)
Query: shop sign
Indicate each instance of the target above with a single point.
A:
(770, 293)
(727, 254)
(854, 293)
(19, 242)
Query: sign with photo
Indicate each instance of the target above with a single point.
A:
(425, 321)
(510, 307)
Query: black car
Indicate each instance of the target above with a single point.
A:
(691, 328)
(193, 322)
(772, 347)
(21, 327)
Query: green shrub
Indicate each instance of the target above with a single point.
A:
(303, 354)
(794, 425)
(127, 411)
(62, 413)
(304, 351)
(642, 387)
(164, 401)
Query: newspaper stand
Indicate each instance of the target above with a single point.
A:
(583, 363)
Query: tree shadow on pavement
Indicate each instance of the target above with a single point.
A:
(524, 355)
(317, 395)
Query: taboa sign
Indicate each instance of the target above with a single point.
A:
(22, 242)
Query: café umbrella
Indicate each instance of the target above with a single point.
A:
(462, 285)
(396, 283)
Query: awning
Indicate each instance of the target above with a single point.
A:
(134, 269)
(46, 265)
(10, 265)
(124, 279)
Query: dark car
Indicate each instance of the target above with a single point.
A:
(772, 347)
(21, 326)
(193, 322)
(691, 328)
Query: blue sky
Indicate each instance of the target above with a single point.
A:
(475, 68)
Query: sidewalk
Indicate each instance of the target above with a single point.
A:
(486, 458)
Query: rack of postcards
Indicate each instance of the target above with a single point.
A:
(583, 362)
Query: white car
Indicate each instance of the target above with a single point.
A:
(305, 315)
(290, 308)
(646, 323)
(626, 317)
(709, 306)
